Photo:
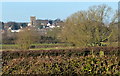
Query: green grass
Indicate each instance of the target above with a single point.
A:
(44, 44)
(55, 48)
(67, 46)
(11, 46)
(51, 48)
(8, 45)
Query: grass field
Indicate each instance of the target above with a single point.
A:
(37, 44)
(46, 46)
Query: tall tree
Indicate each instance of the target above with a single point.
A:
(86, 28)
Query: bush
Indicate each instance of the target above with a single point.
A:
(63, 65)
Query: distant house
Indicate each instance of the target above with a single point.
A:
(15, 28)
(44, 23)
(12, 26)
(39, 24)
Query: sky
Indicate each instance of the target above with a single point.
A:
(21, 11)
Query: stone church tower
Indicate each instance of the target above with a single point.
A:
(33, 20)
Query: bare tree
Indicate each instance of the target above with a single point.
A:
(26, 37)
(86, 28)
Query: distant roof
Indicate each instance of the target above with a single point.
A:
(15, 27)
(42, 21)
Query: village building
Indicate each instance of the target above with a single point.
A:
(39, 24)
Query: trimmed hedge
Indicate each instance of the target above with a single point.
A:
(68, 62)
(66, 52)
(63, 66)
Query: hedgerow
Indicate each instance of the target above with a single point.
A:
(68, 62)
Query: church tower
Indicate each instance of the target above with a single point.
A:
(33, 20)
